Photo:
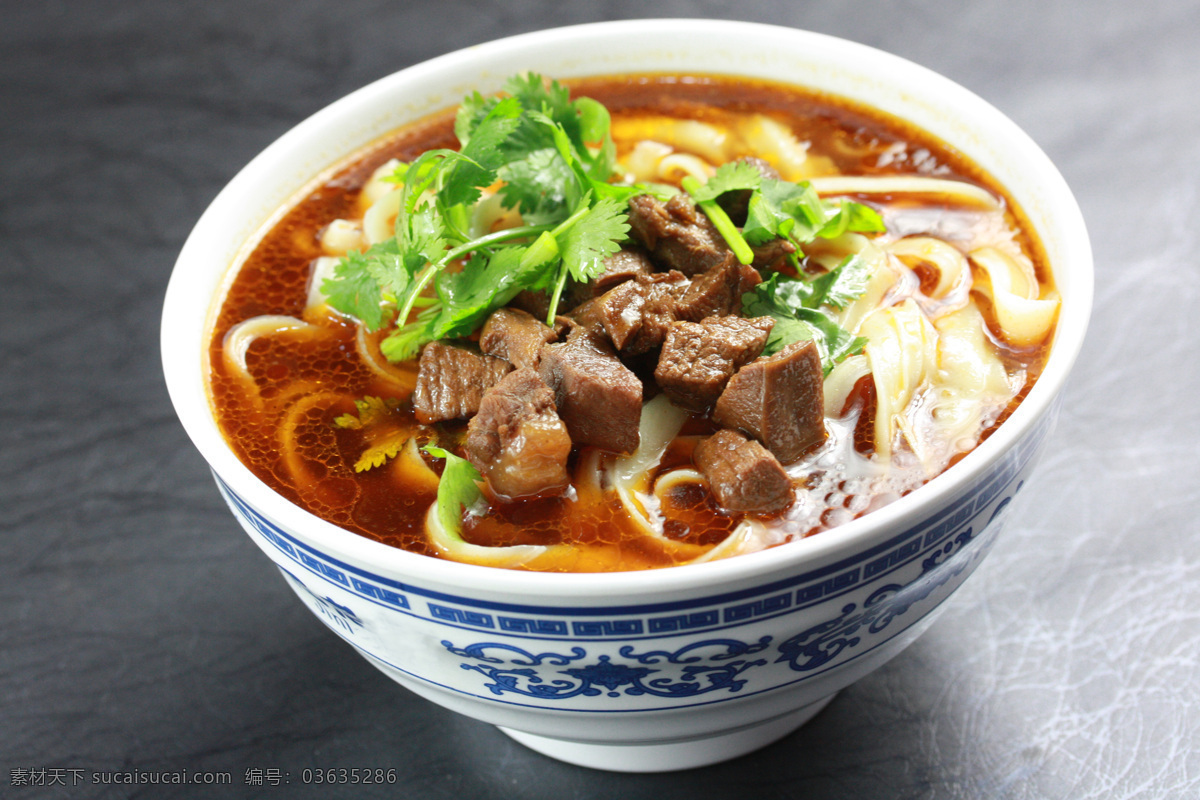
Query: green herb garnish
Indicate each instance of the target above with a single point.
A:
(777, 210)
(385, 433)
(554, 157)
(458, 489)
(798, 308)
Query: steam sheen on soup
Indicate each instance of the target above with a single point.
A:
(664, 320)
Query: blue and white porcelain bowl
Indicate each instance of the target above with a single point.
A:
(645, 670)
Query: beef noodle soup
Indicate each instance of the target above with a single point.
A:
(657, 321)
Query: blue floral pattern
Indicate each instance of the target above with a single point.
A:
(340, 617)
(820, 644)
(517, 673)
(549, 653)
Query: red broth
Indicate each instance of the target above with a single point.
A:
(283, 426)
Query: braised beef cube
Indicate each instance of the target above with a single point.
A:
(779, 400)
(773, 255)
(517, 440)
(625, 264)
(764, 167)
(742, 474)
(677, 234)
(717, 292)
(515, 336)
(584, 317)
(737, 204)
(537, 303)
(642, 366)
(698, 359)
(598, 398)
(637, 314)
(451, 382)
(563, 327)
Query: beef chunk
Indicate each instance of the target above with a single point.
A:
(623, 265)
(537, 303)
(517, 440)
(598, 397)
(742, 474)
(515, 336)
(737, 204)
(680, 236)
(563, 327)
(586, 318)
(451, 382)
(764, 168)
(717, 292)
(677, 234)
(637, 314)
(773, 254)
(699, 358)
(626, 263)
(778, 400)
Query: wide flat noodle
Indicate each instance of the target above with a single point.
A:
(1025, 318)
(451, 546)
(903, 355)
(970, 384)
(945, 259)
(958, 192)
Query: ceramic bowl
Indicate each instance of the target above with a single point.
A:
(671, 668)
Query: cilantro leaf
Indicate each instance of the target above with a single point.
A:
(463, 300)
(843, 284)
(595, 123)
(720, 220)
(426, 237)
(730, 177)
(594, 238)
(360, 279)
(581, 243)
(471, 111)
(776, 209)
(795, 211)
(537, 94)
(833, 343)
(384, 440)
(468, 297)
(554, 156)
(481, 156)
(851, 216)
(369, 410)
(795, 306)
(406, 341)
(583, 121)
(458, 490)
(541, 186)
(784, 210)
(386, 447)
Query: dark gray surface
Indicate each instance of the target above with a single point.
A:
(141, 630)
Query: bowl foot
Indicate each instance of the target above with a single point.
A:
(673, 755)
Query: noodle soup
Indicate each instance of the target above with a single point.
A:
(802, 311)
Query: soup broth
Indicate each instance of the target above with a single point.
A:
(955, 309)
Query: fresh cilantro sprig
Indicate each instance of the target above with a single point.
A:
(720, 220)
(583, 122)
(780, 209)
(385, 434)
(458, 490)
(798, 308)
(777, 209)
(553, 157)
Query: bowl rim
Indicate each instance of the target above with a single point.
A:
(1075, 264)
